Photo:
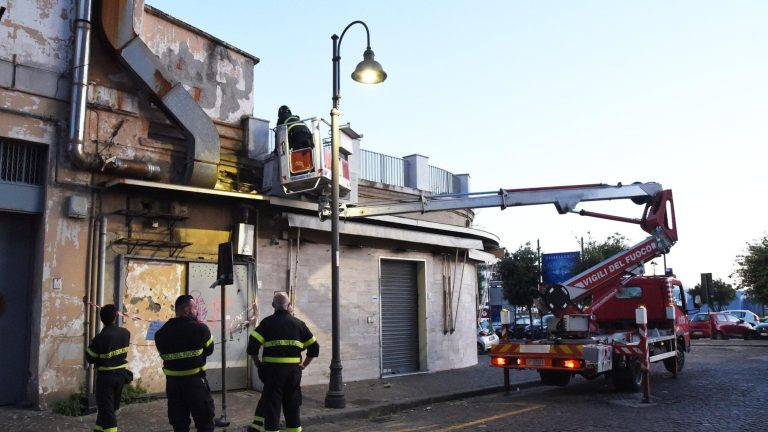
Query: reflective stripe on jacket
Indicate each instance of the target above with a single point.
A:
(283, 338)
(109, 349)
(184, 344)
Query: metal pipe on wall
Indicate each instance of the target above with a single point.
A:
(78, 104)
(78, 95)
(89, 310)
(102, 264)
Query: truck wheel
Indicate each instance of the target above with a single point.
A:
(669, 363)
(629, 378)
(718, 335)
(555, 378)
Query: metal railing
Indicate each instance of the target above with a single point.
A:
(390, 170)
(22, 163)
(441, 181)
(382, 168)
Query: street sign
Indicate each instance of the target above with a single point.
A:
(225, 272)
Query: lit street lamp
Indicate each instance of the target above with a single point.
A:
(368, 71)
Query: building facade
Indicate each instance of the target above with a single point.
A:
(128, 153)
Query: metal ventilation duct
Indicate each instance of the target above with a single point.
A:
(121, 22)
(76, 139)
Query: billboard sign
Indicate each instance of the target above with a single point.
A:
(558, 267)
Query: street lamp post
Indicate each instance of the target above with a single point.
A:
(368, 71)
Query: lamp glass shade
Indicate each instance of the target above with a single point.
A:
(369, 71)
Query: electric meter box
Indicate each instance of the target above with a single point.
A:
(243, 239)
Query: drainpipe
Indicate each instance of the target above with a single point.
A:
(78, 98)
(89, 310)
(102, 265)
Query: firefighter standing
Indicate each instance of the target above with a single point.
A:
(184, 343)
(283, 338)
(299, 135)
(108, 352)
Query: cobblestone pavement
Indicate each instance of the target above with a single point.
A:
(722, 388)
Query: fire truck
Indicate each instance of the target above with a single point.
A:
(594, 330)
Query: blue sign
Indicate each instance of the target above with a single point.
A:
(559, 267)
(495, 313)
(154, 326)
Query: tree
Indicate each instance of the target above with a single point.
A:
(595, 252)
(753, 271)
(520, 276)
(722, 294)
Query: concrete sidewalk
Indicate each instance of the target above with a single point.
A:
(365, 399)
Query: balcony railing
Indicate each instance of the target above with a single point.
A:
(441, 181)
(382, 168)
(390, 170)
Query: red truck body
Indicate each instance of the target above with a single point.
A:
(612, 346)
(605, 315)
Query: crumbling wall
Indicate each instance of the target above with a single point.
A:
(36, 46)
(151, 288)
(219, 77)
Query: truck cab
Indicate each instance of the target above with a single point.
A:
(617, 310)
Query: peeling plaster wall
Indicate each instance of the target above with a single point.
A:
(35, 52)
(64, 255)
(151, 289)
(220, 79)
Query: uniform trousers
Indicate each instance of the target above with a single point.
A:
(109, 387)
(282, 390)
(189, 395)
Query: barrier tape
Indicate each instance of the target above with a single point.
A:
(237, 324)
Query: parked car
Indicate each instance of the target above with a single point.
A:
(536, 331)
(516, 329)
(497, 328)
(719, 325)
(486, 338)
(749, 317)
(764, 319)
(761, 331)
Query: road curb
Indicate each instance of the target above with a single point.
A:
(383, 409)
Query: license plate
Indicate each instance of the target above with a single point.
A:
(763, 334)
(697, 333)
(534, 362)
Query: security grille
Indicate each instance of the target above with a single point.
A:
(21, 163)
(399, 317)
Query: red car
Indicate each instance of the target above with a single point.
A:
(719, 325)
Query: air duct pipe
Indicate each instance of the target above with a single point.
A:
(78, 99)
(122, 21)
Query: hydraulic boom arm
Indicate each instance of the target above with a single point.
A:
(565, 199)
(658, 220)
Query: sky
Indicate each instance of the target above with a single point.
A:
(540, 93)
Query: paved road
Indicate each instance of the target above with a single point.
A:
(721, 389)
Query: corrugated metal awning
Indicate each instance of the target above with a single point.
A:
(376, 231)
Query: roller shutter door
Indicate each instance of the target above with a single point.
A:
(399, 317)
